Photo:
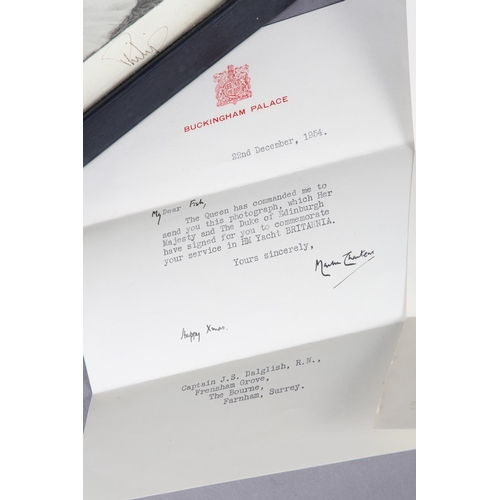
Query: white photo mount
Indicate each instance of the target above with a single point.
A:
(144, 358)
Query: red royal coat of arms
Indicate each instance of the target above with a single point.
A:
(233, 85)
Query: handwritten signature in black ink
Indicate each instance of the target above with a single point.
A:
(124, 50)
(349, 259)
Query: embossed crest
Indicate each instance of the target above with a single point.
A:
(233, 85)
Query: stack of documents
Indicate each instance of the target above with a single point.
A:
(245, 262)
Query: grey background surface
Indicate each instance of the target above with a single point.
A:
(391, 477)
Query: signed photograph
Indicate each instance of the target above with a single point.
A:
(120, 36)
(103, 20)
